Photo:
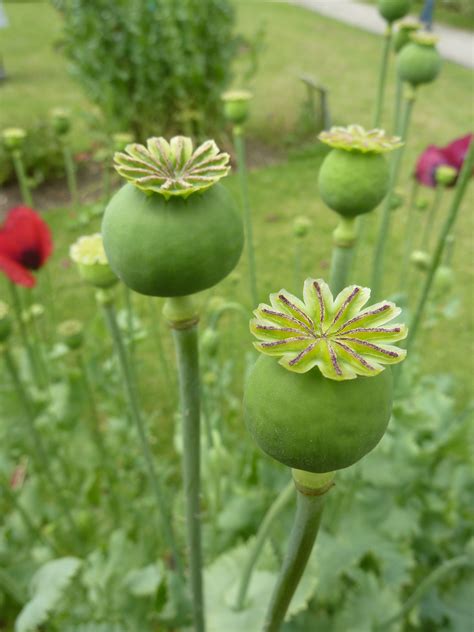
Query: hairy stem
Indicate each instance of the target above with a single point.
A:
(264, 530)
(398, 106)
(239, 143)
(70, 169)
(382, 76)
(135, 413)
(344, 239)
(183, 320)
(310, 490)
(18, 309)
(22, 178)
(395, 167)
(431, 580)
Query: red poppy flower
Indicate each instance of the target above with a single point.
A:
(432, 158)
(25, 244)
(456, 151)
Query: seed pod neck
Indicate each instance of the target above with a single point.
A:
(180, 312)
(311, 484)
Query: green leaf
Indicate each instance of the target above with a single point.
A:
(48, 586)
(144, 582)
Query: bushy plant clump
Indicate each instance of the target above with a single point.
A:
(152, 64)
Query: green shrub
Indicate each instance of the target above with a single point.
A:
(154, 67)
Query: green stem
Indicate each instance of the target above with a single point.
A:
(18, 309)
(378, 265)
(239, 143)
(70, 169)
(342, 254)
(409, 235)
(461, 187)
(29, 522)
(22, 178)
(183, 320)
(264, 530)
(309, 509)
(383, 76)
(129, 311)
(161, 353)
(431, 580)
(425, 242)
(398, 106)
(42, 456)
(97, 435)
(135, 413)
(297, 263)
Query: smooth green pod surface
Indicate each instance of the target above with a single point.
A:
(352, 183)
(392, 10)
(312, 423)
(418, 64)
(172, 247)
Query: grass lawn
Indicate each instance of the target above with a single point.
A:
(344, 59)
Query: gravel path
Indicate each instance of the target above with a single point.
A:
(454, 44)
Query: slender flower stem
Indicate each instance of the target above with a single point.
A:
(129, 311)
(344, 239)
(409, 235)
(183, 319)
(395, 167)
(425, 242)
(41, 453)
(155, 330)
(310, 490)
(70, 169)
(280, 502)
(431, 580)
(460, 190)
(383, 76)
(106, 301)
(97, 435)
(17, 308)
(239, 143)
(398, 106)
(27, 519)
(22, 178)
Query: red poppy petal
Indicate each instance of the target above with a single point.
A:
(427, 163)
(456, 151)
(24, 230)
(16, 273)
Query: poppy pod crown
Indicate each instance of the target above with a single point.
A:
(173, 230)
(327, 401)
(25, 245)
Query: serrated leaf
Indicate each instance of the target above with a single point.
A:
(48, 586)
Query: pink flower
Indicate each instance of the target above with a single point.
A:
(428, 162)
(456, 151)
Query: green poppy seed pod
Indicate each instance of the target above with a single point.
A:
(419, 62)
(392, 10)
(421, 260)
(5, 322)
(72, 333)
(61, 121)
(173, 230)
(446, 175)
(13, 138)
(314, 424)
(236, 105)
(89, 255)
(353, 183)
(354, 176)
(301, 226)
(328, 400)
(405, 30)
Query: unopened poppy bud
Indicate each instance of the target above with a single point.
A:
(236, 105)
(13, 138)
(392, 10)
(5, 322)
(88, 252)
(210, 342)
(301, 226)
(60, 121)
(37, 311)
(443, 279)
(121, 139)
(446, 175)
(72, 333)
(422, 204)
(420, 259)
